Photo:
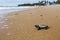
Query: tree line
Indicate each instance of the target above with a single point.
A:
(58, 2)
(40, 3)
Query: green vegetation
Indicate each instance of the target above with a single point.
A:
(58, 2)
(33, 4)
(28, 4)
(40, 3)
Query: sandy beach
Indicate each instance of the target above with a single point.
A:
(20, 25)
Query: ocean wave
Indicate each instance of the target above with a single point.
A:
(4, 10)
(15, 7)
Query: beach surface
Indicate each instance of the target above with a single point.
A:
(20, 25)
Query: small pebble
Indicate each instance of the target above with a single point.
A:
(41, 15)
(56, 16)
(30, 13)
(16, 14)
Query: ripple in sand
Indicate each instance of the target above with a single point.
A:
(2, 22)
(6, 19)
(5, 25)
(8, 34)
(10, 23)
(2, 27)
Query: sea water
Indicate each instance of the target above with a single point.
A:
(4, 10)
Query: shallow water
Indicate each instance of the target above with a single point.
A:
(4, 10)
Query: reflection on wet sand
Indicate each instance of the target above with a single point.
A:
(4, 27)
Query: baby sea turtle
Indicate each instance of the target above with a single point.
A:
(41, 26)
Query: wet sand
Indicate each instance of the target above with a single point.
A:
(20, 25)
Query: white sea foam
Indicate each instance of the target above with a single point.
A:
(4, 10)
